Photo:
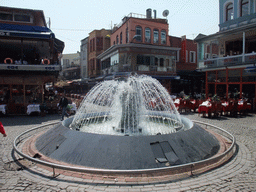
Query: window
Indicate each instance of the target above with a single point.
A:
(147, 35)
(161, 62)
(6, 16)
(156, 37)
(121, 38)
(229, 12)
(15, 17)
(147, 60)
(163, 37)
(22, 18)
(127, 35)
(192, 57)
(99, 43)
(140, 60)
(156, 61)
(244, 8)
(117, 40)
(138, 33)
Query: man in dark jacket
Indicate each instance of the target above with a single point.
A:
(63, 104)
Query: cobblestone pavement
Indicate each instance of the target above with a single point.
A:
(237, 175)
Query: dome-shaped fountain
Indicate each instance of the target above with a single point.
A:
(131, 106)
(128, 124)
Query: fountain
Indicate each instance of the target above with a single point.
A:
(128, 124)
(132, 106)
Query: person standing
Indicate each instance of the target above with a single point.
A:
(2, 129)
(63, 104)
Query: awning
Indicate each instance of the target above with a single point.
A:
(59, 45)
(25, 31)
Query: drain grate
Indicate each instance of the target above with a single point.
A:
(18, 165)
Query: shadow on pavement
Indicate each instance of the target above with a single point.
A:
(14, 120)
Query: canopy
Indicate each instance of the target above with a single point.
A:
(25, 31)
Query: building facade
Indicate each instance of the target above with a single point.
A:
(190, 81)
(98, 41)
(29, 58)
(140, 43)
(84, 58)
(229, 56)
(71, 67)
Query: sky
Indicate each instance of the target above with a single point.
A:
(73, 20)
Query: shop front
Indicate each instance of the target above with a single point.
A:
(17, 93)
(232, 83)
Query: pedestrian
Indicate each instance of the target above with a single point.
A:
(2, 129)
(63, 104)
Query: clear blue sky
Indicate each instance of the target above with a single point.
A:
(71, 21)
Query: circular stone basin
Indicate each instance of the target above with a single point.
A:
(123, 152)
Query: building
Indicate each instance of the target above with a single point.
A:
(190, 80)
(229, 56)
(71, 66)
(140, 43)
(98, 41)
(70, 60)
(84, 58)
(29, 58)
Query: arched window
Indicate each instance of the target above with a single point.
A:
(244, 7)
(229, 12)
(163, 37)
(117, 40)
(156, 36)
(121, 38)
(138, 35)
(147, 35)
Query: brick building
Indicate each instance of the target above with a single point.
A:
(140, 44)
(98, 42)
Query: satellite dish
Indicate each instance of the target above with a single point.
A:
(165, 13)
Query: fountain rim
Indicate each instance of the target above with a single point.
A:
(228, 153)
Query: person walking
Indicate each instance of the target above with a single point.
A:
(2, 129)
(63, 104)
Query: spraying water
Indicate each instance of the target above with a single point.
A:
(137, 105)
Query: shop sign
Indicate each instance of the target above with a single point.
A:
(12, 67)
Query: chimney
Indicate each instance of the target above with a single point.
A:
(149, 13)
(154, 14)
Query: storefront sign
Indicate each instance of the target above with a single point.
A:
(12, 67)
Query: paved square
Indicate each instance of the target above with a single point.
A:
(237, 175)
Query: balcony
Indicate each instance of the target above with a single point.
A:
(230, 61)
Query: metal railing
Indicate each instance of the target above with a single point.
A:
(189, 166)
(231, 60)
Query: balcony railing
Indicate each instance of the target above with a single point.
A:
(230, 60)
